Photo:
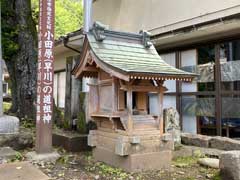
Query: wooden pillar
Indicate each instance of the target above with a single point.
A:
(160, 116)
(45, 77)
(218, 101)
(68, 90)
(130, 111)
(178, 62)
(114, 94)
(75, 90)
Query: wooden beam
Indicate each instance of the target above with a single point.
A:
(107, 82)
(160, 106)
(106, 68)
(114, 94)
(143, 88)
(90, 69)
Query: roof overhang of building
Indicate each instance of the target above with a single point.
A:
(219, 29)
(125, 56)
(75, 41)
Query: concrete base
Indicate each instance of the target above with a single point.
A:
(71, 142)
(9, 125)
(135, 162)
(48, 157)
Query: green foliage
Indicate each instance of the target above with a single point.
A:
(81, 123)
(6, 106)
(27, 123)
(68, 15)
(185, 161)
(63, 159)
(216, 176)
(9, 32)
(105, 170)
(18, 157)
(66, 124)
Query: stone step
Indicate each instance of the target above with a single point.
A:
(141, 122)
(7, 153)
(21, 171)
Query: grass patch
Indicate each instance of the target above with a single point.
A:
(217, 176)
(18, 157)
(105, 170)
(185, 161)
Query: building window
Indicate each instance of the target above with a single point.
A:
(230, 86)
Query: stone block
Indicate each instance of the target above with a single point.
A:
(122, 147)
(224, 143)
(71, 142)
(209, 162)
(92, 140)
(230, 165)
(9, 125)
(184, 151)
(7, 153)
(195, 140)
(47, 157)
(135, 140)
(19, 141)
(172, 124)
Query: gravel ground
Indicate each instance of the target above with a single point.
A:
(81, 166)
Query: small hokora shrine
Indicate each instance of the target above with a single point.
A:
(126, 68)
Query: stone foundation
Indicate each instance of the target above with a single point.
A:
(70, 142)
(138, 152)
(216, 142)
(134, 162)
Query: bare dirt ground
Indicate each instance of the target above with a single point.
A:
(82, 167)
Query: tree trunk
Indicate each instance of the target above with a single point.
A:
(22, 63)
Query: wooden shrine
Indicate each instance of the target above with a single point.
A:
(126, 68)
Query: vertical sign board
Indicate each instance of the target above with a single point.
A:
(45, 76)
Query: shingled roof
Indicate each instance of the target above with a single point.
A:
(132, 55)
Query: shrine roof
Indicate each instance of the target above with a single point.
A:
(131, 54)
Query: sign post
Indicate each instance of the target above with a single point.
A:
(44, 104)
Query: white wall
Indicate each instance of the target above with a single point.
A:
(168, 101)
(133, 15)
(170, 58)
(60, 59)
(61, 55)
(61, 89)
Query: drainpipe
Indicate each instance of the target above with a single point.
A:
(87, 15)
(87, 26)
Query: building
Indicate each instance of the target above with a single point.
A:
(127, 69)
(198, 37)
